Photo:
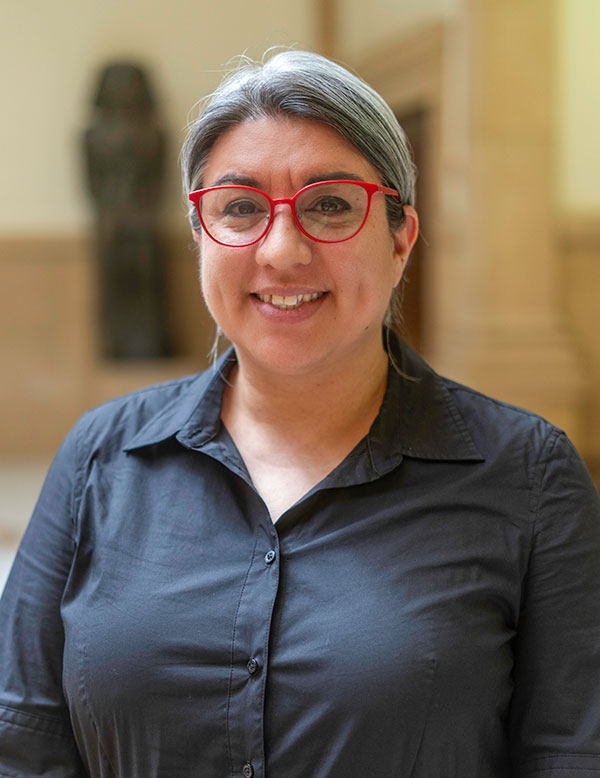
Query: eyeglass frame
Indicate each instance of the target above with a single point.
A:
(369, 188)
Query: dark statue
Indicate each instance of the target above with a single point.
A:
(125, 151)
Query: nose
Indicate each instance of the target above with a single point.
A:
(284, 245)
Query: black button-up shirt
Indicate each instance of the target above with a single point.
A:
(430, 609)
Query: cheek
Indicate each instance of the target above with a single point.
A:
(221, 280)
(209, 281)
(381, 269)
(368, 290)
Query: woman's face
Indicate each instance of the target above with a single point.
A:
(352, 281)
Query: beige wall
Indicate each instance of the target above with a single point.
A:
(579, 245)
(364, 26)
(578, 193)
(578, 106)
(514, 266)
(49, 59)
(51, 52)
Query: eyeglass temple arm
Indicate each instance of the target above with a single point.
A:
(387, 191)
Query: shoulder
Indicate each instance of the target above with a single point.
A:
(442, 410)
(165, 406)
(521, 446)
(495, 424)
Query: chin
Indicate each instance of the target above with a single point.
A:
(281, 356)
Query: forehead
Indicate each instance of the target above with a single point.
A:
(282, 148)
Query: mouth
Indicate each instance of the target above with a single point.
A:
(289, 302)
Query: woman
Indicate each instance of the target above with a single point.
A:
(320, 559)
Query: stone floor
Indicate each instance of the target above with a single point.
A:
(20, 483)
(6, 557)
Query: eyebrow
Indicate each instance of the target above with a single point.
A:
(234, 178)
(239, 180)
(336, 175)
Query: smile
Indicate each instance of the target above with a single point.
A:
(289, 302)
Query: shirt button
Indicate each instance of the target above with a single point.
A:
(270, 557)
(252, 666)
(247, 770)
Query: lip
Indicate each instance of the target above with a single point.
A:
(302, 313)
(287, 291)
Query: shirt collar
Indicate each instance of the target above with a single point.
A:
(418, 418)
(194, 416)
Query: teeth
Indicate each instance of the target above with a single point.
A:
(288, 302)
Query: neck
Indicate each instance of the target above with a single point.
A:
(308, 407)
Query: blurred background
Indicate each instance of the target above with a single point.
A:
(500, 100)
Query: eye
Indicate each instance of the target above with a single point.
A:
(329, 205)
(243, 208)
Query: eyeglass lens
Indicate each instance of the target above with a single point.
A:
(330, 212)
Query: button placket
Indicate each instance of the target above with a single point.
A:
(245, 714)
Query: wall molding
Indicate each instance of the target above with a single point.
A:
(68, 247)
(407, 71)
(579, 232)
(51, 248)
(49, 336)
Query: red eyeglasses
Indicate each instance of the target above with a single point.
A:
(328, 211)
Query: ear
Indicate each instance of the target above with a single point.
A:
(404, 239)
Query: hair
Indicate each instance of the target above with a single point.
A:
(301, 84)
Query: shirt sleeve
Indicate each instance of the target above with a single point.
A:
(555, 713)
(35, 731)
